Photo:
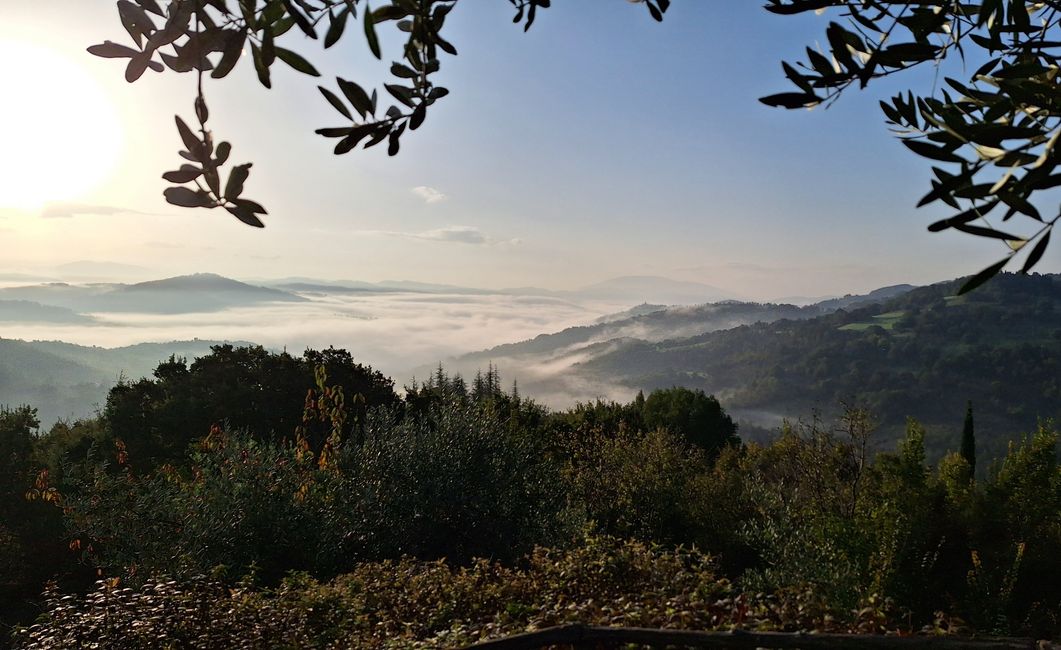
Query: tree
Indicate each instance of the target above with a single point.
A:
(692, 415)
(969, 440)
(18, 427)
(235, 388)
(998, 131)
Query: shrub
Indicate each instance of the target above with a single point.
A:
(413, 604)
(455, 483)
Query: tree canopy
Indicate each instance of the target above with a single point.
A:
(993, 134)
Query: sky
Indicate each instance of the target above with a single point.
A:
(599, 144)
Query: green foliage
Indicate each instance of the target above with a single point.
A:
(399, 501)
(1005, 331)
(968, 448)
(237, 388)
(997, 130)
(17, 429)
(413, 604)
(457, 482)
(452, 483)
(694, 416)
(643, 485)
(1016, 533)
(31, 545)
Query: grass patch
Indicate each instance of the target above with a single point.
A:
(886, 320)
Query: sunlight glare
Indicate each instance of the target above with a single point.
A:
(61, 133)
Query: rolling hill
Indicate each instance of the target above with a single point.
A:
(63, 380)
(201, 292)
(921, 354)
(27, 311)
(549, 365)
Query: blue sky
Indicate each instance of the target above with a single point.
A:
(598, 144)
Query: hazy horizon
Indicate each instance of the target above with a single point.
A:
(80, 271)
(402, 329)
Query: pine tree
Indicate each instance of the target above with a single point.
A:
(968, 450)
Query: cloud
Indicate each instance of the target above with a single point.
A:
(67, 210)
(448, 234)
(461, 234)
(429, 194)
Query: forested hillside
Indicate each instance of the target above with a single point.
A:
(68, 381)
(922, 354)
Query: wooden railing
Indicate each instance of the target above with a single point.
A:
(588, 636)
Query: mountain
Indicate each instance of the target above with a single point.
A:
(923, 354)
(656, 325)
(636, 310)
(318, 287)
(546, 366)
(860, 300)
(201, 292)
(428, 287)
(63, 380)
(25, 311)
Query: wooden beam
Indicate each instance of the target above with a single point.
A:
(582, 635)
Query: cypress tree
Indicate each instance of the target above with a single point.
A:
(968, 450)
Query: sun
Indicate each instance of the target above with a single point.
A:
(60, 135)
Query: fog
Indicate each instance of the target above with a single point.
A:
(396, 333)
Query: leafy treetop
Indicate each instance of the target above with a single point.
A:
(995, 133)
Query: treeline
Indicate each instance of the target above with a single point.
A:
(274, 472)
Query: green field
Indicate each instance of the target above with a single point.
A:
(886, 320)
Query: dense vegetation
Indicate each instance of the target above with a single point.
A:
(924, 353)
(68, 381)
(251, 495)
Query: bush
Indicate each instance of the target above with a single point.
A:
(453, 483)
(412, 604)
(643, 485)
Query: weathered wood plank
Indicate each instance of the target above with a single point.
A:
(578, 635)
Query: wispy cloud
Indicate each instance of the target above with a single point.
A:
(460, 234)
(449, 234)
(429, 194)
(67, 210)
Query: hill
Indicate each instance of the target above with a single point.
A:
(63, 380)
(549, 365)
(921, 354)
(27, 311)
(201, 292)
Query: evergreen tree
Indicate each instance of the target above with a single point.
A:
(968, 450)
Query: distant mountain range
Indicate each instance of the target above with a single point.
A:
(627, 289)
(26, 311)
(201, 292)
(922, 353)
(549, 366)
(900, 351)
